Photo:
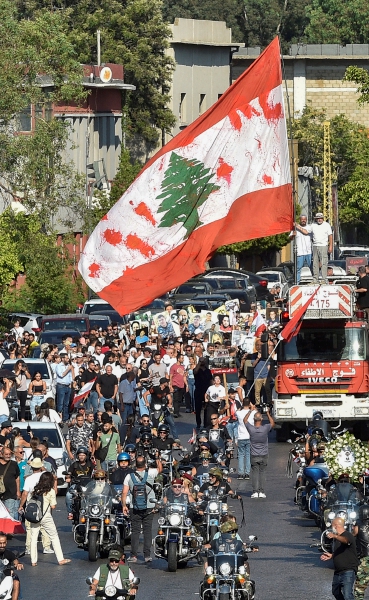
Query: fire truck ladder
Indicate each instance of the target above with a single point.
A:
(327, 174)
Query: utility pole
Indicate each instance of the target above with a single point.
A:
(327, 174)
(98, 48)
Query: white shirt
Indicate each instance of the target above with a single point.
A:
(243, 434)
(54, 416)
(31, 481)
(99, 358)
(320, 233)
(17, 332)
(118, 371)
(114, 578)
(168, 361)
(215, 392)
(303, 243)
(4, 407)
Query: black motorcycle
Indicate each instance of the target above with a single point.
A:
(121, 520)
(226, 576)
(77, 488)
(112, 593)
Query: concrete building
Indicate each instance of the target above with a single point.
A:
(314, 75)
(202, 51)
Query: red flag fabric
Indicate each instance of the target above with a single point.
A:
(258, 325)
(224, 179)
(83, 392)
(7, 523)
(293, 327)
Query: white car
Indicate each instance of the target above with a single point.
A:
(33, 365)
(275, 278)
(29, 321)
(51, 433)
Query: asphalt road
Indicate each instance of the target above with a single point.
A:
(284, 568)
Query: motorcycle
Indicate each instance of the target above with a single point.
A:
(77, 488)
(177, 540)
(214, 510)
(309, 496)
(226, 576)
(97, 529)
(296, 456)
(343, 501)
(121, 520)
(112, 593)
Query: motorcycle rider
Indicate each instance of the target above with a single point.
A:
(217, 484)
(161, 395)
(113, 574)
(361, 531)
(176, 493)
(82, 467)
(163, 442)
(132, 451)
(118, 476)
(227, 534)
(9, 558)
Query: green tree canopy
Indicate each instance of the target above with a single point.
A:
(265, 247)
(337, 22)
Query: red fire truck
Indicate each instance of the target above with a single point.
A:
(325, 366)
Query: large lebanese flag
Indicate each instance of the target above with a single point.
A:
(223, 179)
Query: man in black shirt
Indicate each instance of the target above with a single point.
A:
(9, 470)
(107, 387)
(345, 561)
(118, 476)
(7, 557)
(362, 289)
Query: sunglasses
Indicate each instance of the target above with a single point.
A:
(100, 479)
(114, 560)
(21, 451)
(175, 485)
(131, 451)
(214, 419)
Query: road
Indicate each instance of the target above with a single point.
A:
(285, 567)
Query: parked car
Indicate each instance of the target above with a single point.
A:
(55, 336)
(97, 321)
(225, 283)
(101, 307)
(353, 250)
(190, 288)
(29, 321)
(51, 433)
(197, 303)
(274, 278)
(33, 365)
(287, 268)
(215, 300)
(78, 322)
(260, 283)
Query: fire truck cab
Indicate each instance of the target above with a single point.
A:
(325, 367)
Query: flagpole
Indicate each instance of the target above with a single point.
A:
(266, 362)
(292, 158)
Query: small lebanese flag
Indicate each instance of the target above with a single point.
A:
(223, 179)
(83, 392)
(293, 327)
(192, 439)
(258, 325)
(7, 523)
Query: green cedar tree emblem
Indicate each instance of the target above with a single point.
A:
(186, 186)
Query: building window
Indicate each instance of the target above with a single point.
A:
(26, 120)
(202, 104)
(182, 109)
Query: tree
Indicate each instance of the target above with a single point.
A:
(49, 287)
(186, 186)
(265, 247)
(10, 264)
(132, 33)
(33, 52)
(337, 22)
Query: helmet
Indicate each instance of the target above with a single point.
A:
(146, 437)
(99, 473)
(318, 416)
(228, 526)
(313, 443)
(82, 450)
(216, 472)
(163, 428)
(364, 512)
(130, 448)
(203, 433)
(144, 429)
(205, 455)
(123, 456)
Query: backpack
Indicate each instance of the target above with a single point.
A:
(139, 493)
(34, 509)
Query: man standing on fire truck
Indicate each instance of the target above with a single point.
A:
(303, 247)
(362, 289)
(322, 244)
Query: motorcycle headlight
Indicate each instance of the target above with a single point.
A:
(110, 591)
(242, 570)
(157, 406)
(352, 515)
(209, 570)
(331, 515)
(225, 569)
(174, 520)
(188, 522)
(95, 511)
(161, 520)
(213, 506)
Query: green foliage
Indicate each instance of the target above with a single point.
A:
(132, 33)
(186, 186)
(49, 287)
(265, 246)
(126, 174)
(230, 11)
(10, 263)
(337, 22)
(361, 78)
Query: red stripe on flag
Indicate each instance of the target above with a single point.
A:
(245, 220)
(293, 327)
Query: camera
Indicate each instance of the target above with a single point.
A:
(264, 407)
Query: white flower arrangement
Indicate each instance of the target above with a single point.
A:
(348, 455)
